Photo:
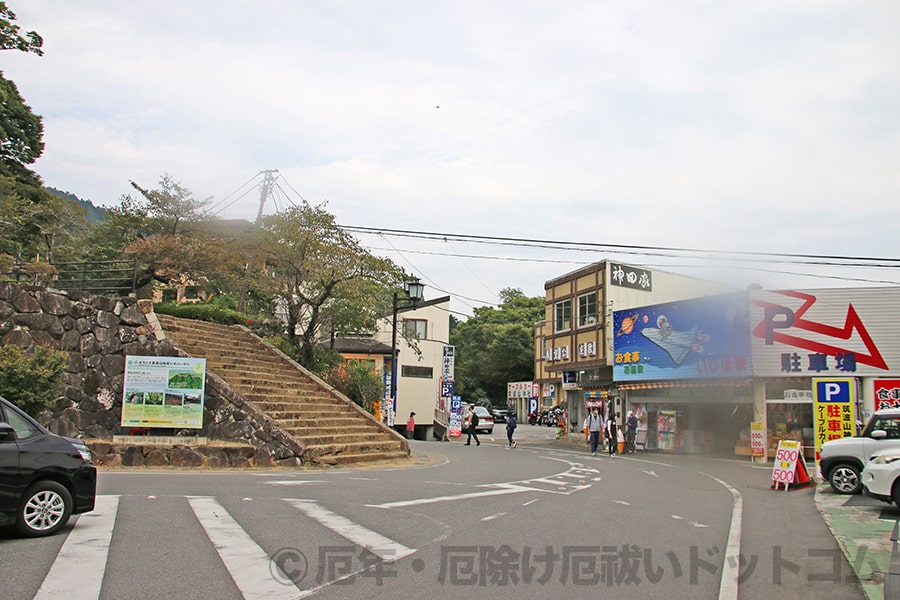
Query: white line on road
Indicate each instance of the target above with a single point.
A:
(77, 572)
(384, 548)
(728, 585)
(494, 516)
(291, 482)
(247, 563)
(419, 501)
(531, 502)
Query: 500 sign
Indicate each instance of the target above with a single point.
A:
(786, 457)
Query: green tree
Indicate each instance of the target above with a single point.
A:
(32, 381)
(324, 279)
(21, 136)
(165, 231)
(496, 346)
(12, 39)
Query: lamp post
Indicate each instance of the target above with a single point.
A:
(415, 293)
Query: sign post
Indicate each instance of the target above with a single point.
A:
(834, 409)
(790, 467)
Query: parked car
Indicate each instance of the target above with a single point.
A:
(881, 476)
(485, 421)
(44, 478)
(500, 414)
(842, 460)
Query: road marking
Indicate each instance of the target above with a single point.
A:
(77, 572)
(494, 516)
(622, 502)
(405, 503)
(382, 547)
(728, 585)
(651, 473)
(531, 502)
(247, 563)
(291, 482)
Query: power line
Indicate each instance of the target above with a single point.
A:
(623, 248)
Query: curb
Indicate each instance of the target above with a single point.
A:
(862, 534)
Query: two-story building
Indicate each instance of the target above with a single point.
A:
(574, 343)
(423, 331)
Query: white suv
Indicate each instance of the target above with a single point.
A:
(842, 460)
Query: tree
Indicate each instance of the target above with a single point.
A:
(21, 136)
(324, 279)
(165, 231)
(11, 39)
(31, 380)
(496, 346)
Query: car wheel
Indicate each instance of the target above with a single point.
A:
(895, 493)
(46, 508)
(844, 479)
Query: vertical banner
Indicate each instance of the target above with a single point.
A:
(757, 439)
(834, 409)
(455, 429)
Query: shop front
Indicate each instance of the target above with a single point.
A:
(690, 418)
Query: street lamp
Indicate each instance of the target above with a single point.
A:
(414, 292)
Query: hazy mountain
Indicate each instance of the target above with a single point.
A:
(95, 214)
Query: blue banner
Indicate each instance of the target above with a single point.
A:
(701, 338)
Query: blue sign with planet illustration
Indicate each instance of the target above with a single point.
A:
(701, 338)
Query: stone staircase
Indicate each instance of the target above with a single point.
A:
(331, 429)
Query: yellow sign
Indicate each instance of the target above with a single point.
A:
(757, 439)
(834, 409)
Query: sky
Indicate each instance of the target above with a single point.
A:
(763, 126)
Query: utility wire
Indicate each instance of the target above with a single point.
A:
(585, 246)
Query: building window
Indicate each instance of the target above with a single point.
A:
(420, 372)
(415, 329)
(563, 315)
(587, 310)
(170, 296)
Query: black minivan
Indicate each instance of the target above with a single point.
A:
(44, 478)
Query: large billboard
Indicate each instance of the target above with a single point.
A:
(701, 338)
(163, 391)
(820, 333)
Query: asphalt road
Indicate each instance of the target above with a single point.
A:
(543, 520)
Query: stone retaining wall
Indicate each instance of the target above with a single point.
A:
(98, 332)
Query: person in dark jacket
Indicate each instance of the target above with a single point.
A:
(631, 423)
(612, 434)
(511, 429)
(472, 420)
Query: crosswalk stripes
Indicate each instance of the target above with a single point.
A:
(384, 548)
(77, 572)
(247, 563)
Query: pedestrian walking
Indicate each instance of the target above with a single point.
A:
(612, 434)
(411, 426)
(631, 423)
(472, 421)
(511, 429)
(595, 426)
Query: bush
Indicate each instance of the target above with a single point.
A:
(217, 313)
(285, 345)
(32, 381)
(356, 380)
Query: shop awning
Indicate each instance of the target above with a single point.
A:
(658, 385)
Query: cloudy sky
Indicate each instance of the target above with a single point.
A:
(766, 126)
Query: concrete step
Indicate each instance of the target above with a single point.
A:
(325, 439)
(346, 459)
(331, 430)
(364, 447)
(299, 419)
